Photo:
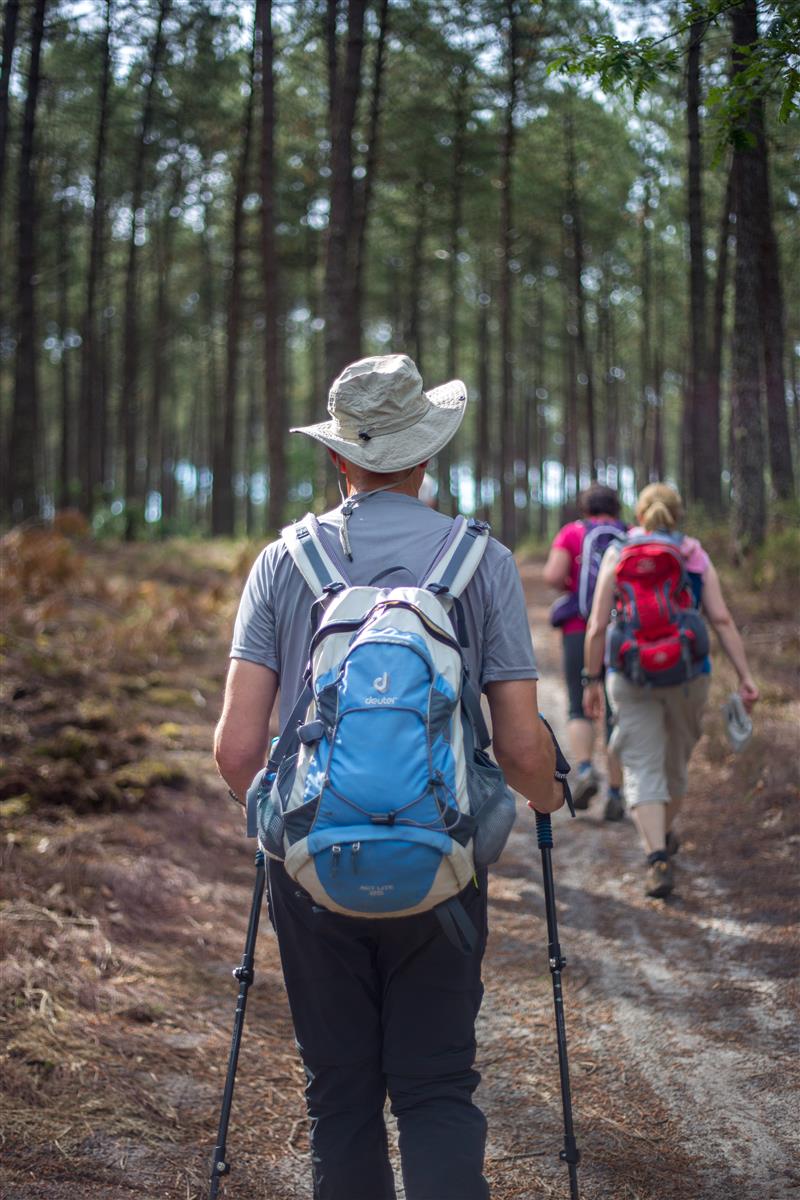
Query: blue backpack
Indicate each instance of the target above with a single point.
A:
(379, 796)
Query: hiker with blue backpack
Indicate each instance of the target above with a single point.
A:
(651, 596)
(376, 627)
(572, 568)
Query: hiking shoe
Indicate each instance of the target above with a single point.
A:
(673, 843)
(659, 882)
(615, 808)
(585, 786)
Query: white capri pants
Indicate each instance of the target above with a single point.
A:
(655, 731)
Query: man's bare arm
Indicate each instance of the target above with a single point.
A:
(242, 735)
(522, 745)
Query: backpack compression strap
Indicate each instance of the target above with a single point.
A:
(312, 560)
(464, 550)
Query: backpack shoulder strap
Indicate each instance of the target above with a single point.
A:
(304, 543)
(462, 554)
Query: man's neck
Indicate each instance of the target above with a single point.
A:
(403, 487)
(407, 484)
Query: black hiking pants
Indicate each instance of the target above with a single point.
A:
(385, 1007)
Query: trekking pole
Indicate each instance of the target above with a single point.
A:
(244, 974)
(571, 1155)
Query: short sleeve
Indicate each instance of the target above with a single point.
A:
(569, 538)
(507, 645)
(254, 631)
(695, 557)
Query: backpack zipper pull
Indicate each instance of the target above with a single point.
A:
(354, 852)
(336, 855)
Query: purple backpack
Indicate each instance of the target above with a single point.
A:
(598, 537)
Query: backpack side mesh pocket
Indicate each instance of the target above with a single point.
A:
(493, 806)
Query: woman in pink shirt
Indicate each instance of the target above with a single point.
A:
(599, 505)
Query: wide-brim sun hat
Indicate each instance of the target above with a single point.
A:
(382, 419)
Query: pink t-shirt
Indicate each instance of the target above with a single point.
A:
(570, 538)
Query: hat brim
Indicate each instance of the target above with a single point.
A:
(404, 447)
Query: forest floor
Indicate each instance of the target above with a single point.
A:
(126, 883)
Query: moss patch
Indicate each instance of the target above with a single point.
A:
(172, 697)
(150, 772)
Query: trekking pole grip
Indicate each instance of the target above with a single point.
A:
(544, 830)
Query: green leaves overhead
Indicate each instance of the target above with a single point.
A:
(637, 65)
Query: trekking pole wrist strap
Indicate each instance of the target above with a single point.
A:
(562, 765)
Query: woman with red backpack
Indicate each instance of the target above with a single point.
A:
(657, 664)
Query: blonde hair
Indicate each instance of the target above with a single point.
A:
(659, 507)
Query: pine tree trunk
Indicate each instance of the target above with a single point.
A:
(362, 200)
(570, 462)
(343, 102)
(772, 324)
(482, 415)
(104, 452)
(66, 456)
(270, 273)
(315, 402)
(645, 346)
(222, 501)
(161, 420)
(251, 435)
(718, 315)
(703, 424)
(208, 393)
(24, 442)
(570, 453)
(611, 390)
(505, 293)
(747, 437)
(659, 342)
(448, 499)
(91, 397)
(540, 425)
(10, 15)
(130, 399)
(413, 336)
(583, 356)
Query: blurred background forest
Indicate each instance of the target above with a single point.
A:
(589, 212)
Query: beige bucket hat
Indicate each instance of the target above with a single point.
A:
(381, 417)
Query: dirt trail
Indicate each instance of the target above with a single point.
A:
(681, 1016)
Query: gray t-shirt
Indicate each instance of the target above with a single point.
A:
(394, 540)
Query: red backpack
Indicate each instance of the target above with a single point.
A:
(657, 635)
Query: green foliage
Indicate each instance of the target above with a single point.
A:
(776, 565)
(638, 65)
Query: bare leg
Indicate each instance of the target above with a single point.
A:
(650, 820)
(614, 770)
(673, 808)
(581, 740)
